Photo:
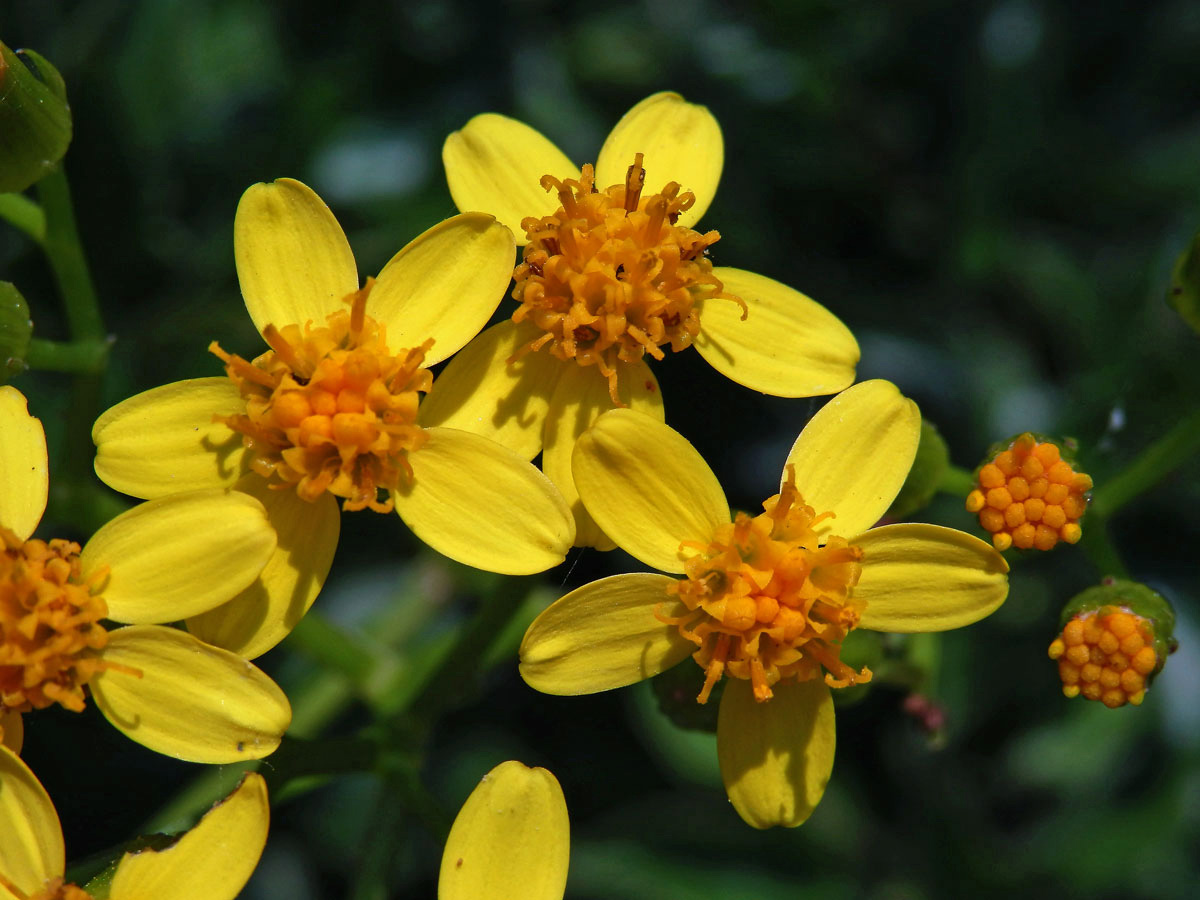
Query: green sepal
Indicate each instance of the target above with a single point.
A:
(1135, 598)
(15, 330)
(925, 476)
(35, 118)
(99, 886)
(1184, 293)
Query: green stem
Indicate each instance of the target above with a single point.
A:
(325, 643)
(65, 252)
(454, 677)
(956, 481)
(1099, 546)
(79, 357)
(1154, 464)
(23, 214)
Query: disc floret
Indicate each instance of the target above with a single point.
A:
(769, 600)
(1028, 496)
(610, 276)
(1107, 655)
(50, 631)
(330, 408)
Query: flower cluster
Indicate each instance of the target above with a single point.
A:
(243, 478)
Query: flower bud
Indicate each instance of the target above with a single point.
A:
(1028, 495)
(35, 120)
(1115, 638)
(15, 329)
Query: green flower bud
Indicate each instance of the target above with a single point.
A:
(35, 120)
(15, 329)
(1115, 638)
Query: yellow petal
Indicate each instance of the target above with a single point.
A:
(853, 456)
(510, 841)
(192, 701)
(647, 487)
(604, 635)
(265, 613)
(480, 504)
(293, 260)
(787, 346)
(213, 861)
(12, 730)
(580, 397)
(495, 165)
(928, 578)
(776, 757)
(178, 556)
(164, 441)
(444, 285)
(31, 841)
(23, 470)
(480, 392)
(682, 142)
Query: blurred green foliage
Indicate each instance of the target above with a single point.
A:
(991, 193)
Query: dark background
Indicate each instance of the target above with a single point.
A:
(990, 194)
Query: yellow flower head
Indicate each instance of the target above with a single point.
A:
(510, 841)
(212, 861)
(1028, 496)
(613, 271)
(331, 410)
(159, 562)
(765, 600)
(611, 276)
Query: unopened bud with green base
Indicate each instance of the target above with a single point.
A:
(1115, 639)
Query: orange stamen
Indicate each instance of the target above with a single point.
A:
(769, 600)
(610, 277)
(50, 631)
(331, 408)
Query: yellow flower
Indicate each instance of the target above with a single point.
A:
(510, 841)
(765, 600)
(159, 562)
(330, 410)
(212, 861)
(612, 272)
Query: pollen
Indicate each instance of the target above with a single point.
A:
(50, 631)
(770, 601)
(1106, 655)
(610, 276)
(329, 408)
(1028, 496)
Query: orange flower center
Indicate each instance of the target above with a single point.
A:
(1106, 655)
(1028, 496)
(769, 600)
(610, 277)
(330, 408)
(50, 631)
